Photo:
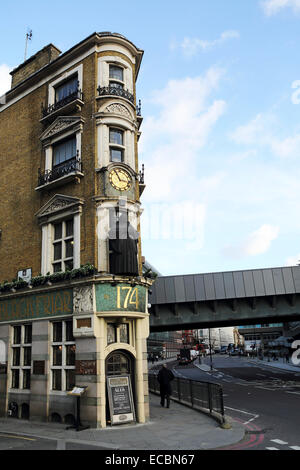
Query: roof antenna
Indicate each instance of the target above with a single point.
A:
(28, 37)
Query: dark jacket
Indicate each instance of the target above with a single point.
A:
(164, 378)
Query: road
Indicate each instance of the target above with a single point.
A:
(264, 399)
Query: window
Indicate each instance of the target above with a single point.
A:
(124, 333)
(64, 151)
(21, 357)
(63, 356)
(116, 145)
(116, 76)
(63, 243)
(118, 364)
(66, 89)
(111, 333)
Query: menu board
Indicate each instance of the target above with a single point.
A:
(120, 399)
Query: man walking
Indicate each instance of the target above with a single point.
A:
(164, 378)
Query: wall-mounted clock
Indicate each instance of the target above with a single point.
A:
(120, 179)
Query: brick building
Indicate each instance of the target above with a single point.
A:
(69, 314)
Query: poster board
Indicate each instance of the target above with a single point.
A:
(120, 399)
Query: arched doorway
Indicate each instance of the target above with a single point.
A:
(119, 363)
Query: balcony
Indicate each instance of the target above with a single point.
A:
(68, 171)
(106, 91)
(72, 102)
(141, 179)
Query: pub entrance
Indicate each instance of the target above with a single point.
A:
(119, 363)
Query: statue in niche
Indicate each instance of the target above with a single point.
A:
(123, 249)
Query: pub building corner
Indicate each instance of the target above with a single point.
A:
(74, 311)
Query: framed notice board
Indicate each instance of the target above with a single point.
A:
(120, 399)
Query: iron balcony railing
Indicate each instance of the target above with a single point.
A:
(204, 396)
(139, 109)
(63, 169)
(142, 175)
(115, 91)
(76, 95)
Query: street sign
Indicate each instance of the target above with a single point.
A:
(120, 399)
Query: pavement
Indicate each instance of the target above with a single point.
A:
(279, 364)
(174, 428)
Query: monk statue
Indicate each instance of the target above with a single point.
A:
(123, 250)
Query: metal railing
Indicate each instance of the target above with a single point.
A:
(115, 91)
(76, 95)
(204, 396)
(70, 166)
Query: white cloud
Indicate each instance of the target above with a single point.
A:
(191, 46)
(257, 243)
(293, 260)
(5, 78)
(171, 140)
(272, 7)
(260, 241)
(261, 132)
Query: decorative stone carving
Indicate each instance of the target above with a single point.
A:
(83, 299)
(57, 205)
(59, 125)
(117, 108)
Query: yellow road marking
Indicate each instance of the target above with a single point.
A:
(17, 437)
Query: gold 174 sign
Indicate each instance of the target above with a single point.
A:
(122, 297)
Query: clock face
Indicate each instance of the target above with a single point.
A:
(120, 179)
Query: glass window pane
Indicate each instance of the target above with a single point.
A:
(56, 379)
(27, 356)
(57, 267)
(116, 136)
(124, 333)
(66, 89)
(116, 72)
(28, 334)
(16, 356)
(57, 250)
(58, 231)
(57, 332)
(70, 355)
(26, 378)
(57, 355)
(17, 334)
(15, 378)
(70, 379)
(64, 151)
(69, 248)
(111, 333)
(116, 155)
(69, 228)
(69, 331)
(69, 265)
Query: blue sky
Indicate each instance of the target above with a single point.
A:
(220, 91)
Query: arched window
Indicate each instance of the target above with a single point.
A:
(117, 364)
